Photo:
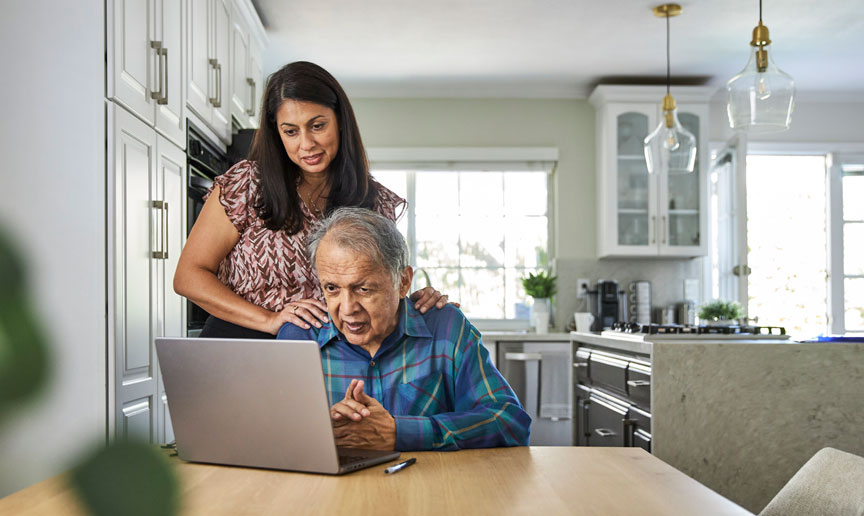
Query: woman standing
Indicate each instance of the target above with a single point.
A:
(245, 259)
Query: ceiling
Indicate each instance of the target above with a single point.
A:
(559, 48)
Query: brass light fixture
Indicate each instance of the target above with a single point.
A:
(762, 96)
(670, 146)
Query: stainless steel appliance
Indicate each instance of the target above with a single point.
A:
(204, 161)
(541, 375)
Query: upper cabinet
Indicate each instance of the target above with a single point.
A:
(145, 50)
(642, 214)
(246, 75)
(208, 63)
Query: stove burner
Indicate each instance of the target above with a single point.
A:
(702, 329)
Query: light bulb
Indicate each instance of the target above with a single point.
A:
(670, 140)
(763, 88)
(670, 147)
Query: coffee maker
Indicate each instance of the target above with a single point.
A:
(607, 307)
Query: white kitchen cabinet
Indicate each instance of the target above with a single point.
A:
(640, 214)
(146, 208)
(146, 62)
(208, 87)
(246, 74)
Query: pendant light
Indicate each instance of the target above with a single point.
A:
(761, 97)
(670, 146)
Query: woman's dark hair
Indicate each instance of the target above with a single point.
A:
(278, 203)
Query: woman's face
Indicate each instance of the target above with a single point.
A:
(310, 134)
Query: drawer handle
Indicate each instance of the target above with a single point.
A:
(580, 364)
(523, 357)
(638, 383)
(604, 432)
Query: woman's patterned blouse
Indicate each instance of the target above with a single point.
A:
(266, 267)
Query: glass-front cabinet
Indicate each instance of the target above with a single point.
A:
(642, 214)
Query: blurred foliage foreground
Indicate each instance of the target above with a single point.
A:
(124, 478)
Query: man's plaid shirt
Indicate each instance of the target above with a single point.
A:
(433, 375)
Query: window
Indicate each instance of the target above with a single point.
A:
(790, 245)
(474, 230)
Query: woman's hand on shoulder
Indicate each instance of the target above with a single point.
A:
(426, 298)
(303, 313)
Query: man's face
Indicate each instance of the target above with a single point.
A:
(360, 295)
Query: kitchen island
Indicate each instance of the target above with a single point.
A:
(743, 416)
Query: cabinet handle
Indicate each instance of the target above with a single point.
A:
(160, 228)
(157, 46)
(219, 84)
(215, 101)
(522, 357)
(653, 229)
(638, 383)
(663, 224)
(604, 432)
(164, 230)
(163, 53)
(580, 364)
(251, 110)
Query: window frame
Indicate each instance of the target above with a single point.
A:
(466, 159)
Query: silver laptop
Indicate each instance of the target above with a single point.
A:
(258, 403)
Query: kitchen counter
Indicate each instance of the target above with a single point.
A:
(621, 343)
(519, 336)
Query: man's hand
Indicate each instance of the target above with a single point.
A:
(360, 421)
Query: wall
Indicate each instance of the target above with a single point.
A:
(53, 177)
(563, 123)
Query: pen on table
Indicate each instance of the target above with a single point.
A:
(400, 466)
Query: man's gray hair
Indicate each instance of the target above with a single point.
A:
(363, 231)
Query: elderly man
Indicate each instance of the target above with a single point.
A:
(397, 378)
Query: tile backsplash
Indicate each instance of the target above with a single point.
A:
(666, 276)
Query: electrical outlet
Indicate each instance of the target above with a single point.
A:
(583, 285)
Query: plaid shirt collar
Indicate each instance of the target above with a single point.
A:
(410, 323)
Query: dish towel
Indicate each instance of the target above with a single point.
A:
(556, 380)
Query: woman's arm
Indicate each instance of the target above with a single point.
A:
(212, 238)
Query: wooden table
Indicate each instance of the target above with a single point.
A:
(535, 481)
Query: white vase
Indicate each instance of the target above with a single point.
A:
(541, 306)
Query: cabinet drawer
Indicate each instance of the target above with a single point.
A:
(606, 422)
(609, 371)
(642, 439)
(639, 383)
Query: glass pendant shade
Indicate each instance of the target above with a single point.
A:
(670, 146)
(760, 101)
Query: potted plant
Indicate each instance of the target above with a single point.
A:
(541, 287)
(721, 312)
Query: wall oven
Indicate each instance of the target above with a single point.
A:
(204, 161)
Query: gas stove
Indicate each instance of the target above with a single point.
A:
(652, 332)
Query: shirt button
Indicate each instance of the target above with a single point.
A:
(372, 363)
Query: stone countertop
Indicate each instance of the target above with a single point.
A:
(523, 336)
(623, 344)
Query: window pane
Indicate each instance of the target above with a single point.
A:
(516, 300)
(482, 241)
(482, 294)
(787, 239)
(525, 241)
(437, 192)
(525, 193)
(853, 248)
(481, 193)
(437, 241)
(853, 194)
(395, 180)
(445, 280)
(854, 288)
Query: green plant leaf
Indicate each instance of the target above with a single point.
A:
(128, 478)
(540, 285)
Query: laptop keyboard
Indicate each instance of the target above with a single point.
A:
(344, 460)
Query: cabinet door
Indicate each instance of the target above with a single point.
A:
(240, 88)
(170, 110)
(256, 75)
(133, 72)
(170, 307)
(134, 233)
(200, 76)
(630, 192)
(683, 196)
(221, 120)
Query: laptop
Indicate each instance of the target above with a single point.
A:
(256, 403)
